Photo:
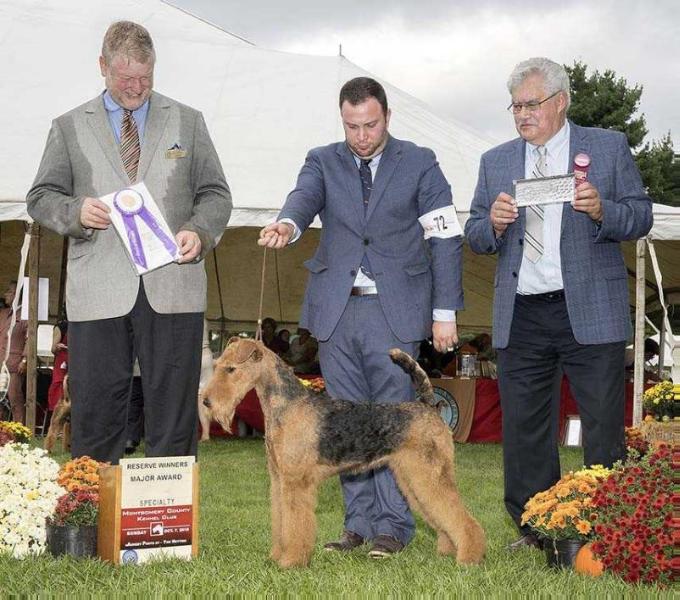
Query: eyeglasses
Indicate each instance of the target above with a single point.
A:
(532, 106)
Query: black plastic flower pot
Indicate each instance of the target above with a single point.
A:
(561, 554)
(72, 540)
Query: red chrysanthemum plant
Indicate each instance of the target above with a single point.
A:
(633, 523)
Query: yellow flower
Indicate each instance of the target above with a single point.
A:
(583, 527)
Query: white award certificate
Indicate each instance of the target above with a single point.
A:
(544, 190)
(142, 227)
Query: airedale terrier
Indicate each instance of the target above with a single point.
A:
(309, 437)
(60, 421)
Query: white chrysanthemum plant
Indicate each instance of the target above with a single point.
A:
(28, 495)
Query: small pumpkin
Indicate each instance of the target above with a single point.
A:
(586, 562)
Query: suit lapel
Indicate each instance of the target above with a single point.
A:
(98, 121)
(156, 120)
(350, 173)
(516, 170)
(388, 164)
(578, 142)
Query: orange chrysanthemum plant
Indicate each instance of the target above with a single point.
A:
(80, 504)
(80, 474)
(564, 511)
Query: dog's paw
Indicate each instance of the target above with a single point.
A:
(275, 554)
(288, 562)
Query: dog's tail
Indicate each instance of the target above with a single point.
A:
(418, 376)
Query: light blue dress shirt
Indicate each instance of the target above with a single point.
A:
(115, 114)
(545, 275)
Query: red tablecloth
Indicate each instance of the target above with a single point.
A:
(486, 424)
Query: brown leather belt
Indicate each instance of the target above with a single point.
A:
(369, 290)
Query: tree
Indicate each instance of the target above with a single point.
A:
(605, 100)
(656, 164)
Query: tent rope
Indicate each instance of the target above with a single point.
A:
(278, 284)
(258, 331)
(219, 293)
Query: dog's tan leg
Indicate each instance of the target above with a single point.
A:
(298, 521)
(445, 546)
(204, 419)
(427, 476)
(57, 422)
(66, 437)
(51, 435)
(275, 499)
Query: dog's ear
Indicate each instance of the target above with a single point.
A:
(257, 354)
(233, 339)
(246, 350)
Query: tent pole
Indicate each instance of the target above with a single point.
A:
(639, 330)
(32, 341)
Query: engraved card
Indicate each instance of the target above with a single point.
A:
(544, 190)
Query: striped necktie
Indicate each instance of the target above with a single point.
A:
(129, 145)
(533, 232)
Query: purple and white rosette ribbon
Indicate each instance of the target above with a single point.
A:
(130, 204)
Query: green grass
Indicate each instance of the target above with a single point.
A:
(234, 547)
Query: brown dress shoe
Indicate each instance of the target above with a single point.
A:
(384, 546)
(348, 541)
(528, 540)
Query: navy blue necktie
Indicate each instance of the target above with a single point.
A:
(366, 186)
(366, 180)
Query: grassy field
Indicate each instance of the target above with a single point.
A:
(234, 545)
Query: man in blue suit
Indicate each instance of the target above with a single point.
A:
(561, 293)
(387, 274)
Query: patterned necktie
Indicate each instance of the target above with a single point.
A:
(366, 186)
(366, 180)
(533, 232)
(129, 145)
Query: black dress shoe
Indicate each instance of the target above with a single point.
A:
(385, 546)
(130, 447)
(348, 541)
(528, 540)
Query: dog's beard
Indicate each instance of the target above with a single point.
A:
(224, 417)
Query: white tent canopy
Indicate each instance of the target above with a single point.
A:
(264, 109)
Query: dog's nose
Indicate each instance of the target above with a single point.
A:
(206, 402)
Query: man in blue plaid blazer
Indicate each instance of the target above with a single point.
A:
(561, 293)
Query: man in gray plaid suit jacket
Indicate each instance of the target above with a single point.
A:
(561, 294)
(114, 314)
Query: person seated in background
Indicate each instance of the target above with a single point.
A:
(283, 337)
(651, 351)
(302, 353)
(482, 344)
(269, 337)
